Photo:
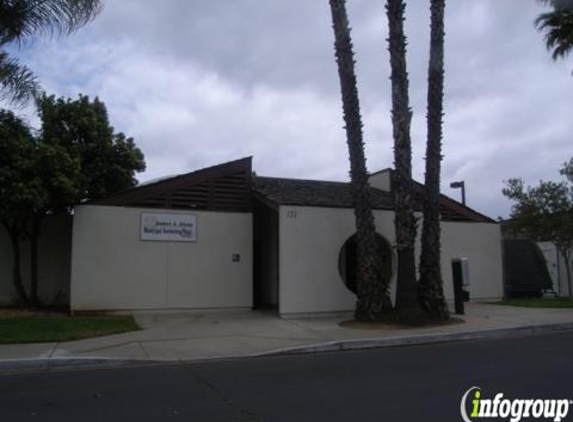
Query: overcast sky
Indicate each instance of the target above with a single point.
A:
(201, 82)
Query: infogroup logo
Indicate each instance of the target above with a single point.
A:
(513, 409)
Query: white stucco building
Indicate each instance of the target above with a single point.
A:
(222, 238)
(302, 226)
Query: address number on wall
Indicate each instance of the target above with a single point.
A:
(291, 214)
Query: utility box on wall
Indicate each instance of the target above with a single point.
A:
(461, 278)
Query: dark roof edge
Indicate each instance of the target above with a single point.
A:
(486, 218)
(268, 198)
(110, 199)
(333, 182)
(452, 202)
(459, 204)
(478, 217)
(260, 196)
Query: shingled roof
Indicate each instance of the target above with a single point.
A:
(450, 209)
(231, 186)
(314, 193)
(320, 193)
(223, 187)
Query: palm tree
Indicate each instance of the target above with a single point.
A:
(558, 27)
(24, 20)
(430, 285)
(372, 290)
(404, 221)
(18, 83)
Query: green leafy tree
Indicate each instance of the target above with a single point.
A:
(372, 289)
(57, 173)
(544, 212)
(76, 156)
(25, 20)
(402, 184)
(79, 157)
(21, 190)
(430, 284)
(557, 27)
(108, 160)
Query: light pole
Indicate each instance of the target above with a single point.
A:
(461, 184)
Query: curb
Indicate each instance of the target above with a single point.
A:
(420, 339)
(26, 366)
(22, 366)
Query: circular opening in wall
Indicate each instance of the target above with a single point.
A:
(347, 260)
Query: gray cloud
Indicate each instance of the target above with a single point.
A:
(202, 82)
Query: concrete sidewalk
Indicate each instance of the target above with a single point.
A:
(169, 336)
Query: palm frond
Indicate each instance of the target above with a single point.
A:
(23, 19)
(558, 29)
(558, 4)
(18, 84)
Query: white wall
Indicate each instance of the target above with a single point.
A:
(556, 264)
(310, 242)
(481, 243)
(381, 180)
(54, 257)
(311, 239)
(113, 269)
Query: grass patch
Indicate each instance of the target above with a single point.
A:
(38, 327)
(541, 302)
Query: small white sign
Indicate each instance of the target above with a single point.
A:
(168, 227)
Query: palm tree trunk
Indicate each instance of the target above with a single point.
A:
(431, 290)
(372, 290)
(404, 221)
(16, 274)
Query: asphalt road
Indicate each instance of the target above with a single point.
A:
(418, 383)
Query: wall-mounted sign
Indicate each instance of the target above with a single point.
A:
(168, 227)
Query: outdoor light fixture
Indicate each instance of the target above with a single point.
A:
(461, 184)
